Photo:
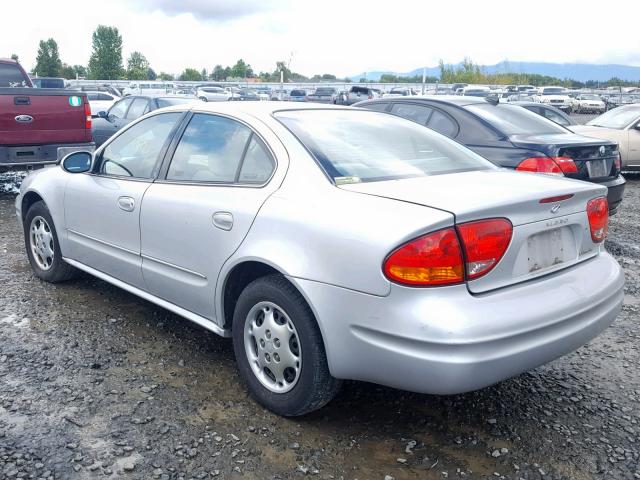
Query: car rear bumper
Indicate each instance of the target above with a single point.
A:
(615, 192)
(446, 341)
(28, 155)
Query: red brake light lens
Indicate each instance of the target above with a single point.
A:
(618, 162)
(598, 214)
(430, 260)
(87, 114)
(484, 244)
(555, 165)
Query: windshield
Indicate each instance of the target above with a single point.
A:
(476, 93)
(169, 101)
(618, 118)
(589, 97)
(554, 91)
(362, 146)
(325, 91)
(298, 93)
(514, 120)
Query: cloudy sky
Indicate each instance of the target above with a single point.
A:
(328, 36)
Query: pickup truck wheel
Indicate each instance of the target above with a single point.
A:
(43, 249)
(279, 348)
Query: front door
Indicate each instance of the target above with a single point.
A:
(196, 217)
(102, 209)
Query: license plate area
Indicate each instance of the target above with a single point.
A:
(549, 249)
(598, 168)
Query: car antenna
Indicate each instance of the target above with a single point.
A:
(492, 100)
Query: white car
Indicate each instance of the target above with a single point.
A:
(148, 88)
(100, 102)
(213, 94)
(588, 103)
(400, 92)
(556, 96)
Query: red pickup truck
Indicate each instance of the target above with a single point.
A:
(39, 126)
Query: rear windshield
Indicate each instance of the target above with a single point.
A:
(325, 91)
(617, 118)
(514, 120)
(11, 76)
(363, 146)
(169, 101)
(554, 91)
(298, 93)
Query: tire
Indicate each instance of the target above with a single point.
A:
(204, 99)
(52, 269)
(313, 386)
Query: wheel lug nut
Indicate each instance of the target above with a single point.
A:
(268, 333)
(276, 343)
(267, 357)
(262, 342)
(276, 357)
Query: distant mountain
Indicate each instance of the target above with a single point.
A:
(575, 71)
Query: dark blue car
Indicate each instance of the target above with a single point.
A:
(513, 137)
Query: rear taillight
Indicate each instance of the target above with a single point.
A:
(437, 258)
(618, 162)
(555, 165)
(87, 116)
(433, 259)
(484, 244)
(598, 214)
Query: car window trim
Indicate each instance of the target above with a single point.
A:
(171, 150)
(157, 166)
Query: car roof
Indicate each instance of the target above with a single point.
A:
(458, 100)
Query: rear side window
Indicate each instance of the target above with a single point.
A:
(257, 165)
(416, 113)
(11, 76)
(210, 150)
(443, 124)
(134, 153)
(120, 108)
(138, 108)
(378, 106)
(357, 145)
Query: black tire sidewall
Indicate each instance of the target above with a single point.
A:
(300, 398)
(51, 275)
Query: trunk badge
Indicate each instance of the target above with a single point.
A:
(555, 208)
(24, 119)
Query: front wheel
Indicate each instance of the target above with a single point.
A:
(43, 249)
(279, 348)
(203, 99)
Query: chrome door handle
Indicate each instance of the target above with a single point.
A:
(223, 220)
(127, 204)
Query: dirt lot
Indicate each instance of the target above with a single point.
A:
(96, 383)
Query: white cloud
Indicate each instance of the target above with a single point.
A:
(327, 36)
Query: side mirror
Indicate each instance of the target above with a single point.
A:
(103, 114)
(77, 162)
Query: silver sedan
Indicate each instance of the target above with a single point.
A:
(332, 243)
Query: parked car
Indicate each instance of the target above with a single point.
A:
(618, 100)
(97, 88)
(245, 95)
(588, 103)
(264, 93)
(512, 137)
(39, 126)
(556, 96)
(476, 91)
(342, 97)
(100, 101)
(128, 109)
(213, 94)
(48, 82)
(372, 246)
(279, 94)
(400, 92)
(357, 94)
(148, 88)
(323, 95)
(622, 126)
(297, 95)
(549, 112)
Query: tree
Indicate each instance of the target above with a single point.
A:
(239, 70)
(67, 72)
(106, 56)
(190, 75)
(151, 74)
(204, 74)
(218, 73)
(137, 66)
(165, 76)
(79, 71)
(14, 57)
(48, 63)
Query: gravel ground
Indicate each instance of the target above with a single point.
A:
(96, 383)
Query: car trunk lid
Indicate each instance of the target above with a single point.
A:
(549, 233)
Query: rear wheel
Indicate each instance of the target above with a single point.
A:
(43, 249)
(204, 99)
(279, 348)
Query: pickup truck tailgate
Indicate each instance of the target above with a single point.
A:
(30, 116)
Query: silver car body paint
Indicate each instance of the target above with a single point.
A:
(331, 243)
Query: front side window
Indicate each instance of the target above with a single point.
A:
(135, 152)
(120, 108)
(365, 146)
(138, 108)
(554, 116)
(210, 150)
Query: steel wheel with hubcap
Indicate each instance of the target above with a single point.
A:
(279, 348)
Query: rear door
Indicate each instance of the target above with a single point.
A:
(102, 209)
(198, 214)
